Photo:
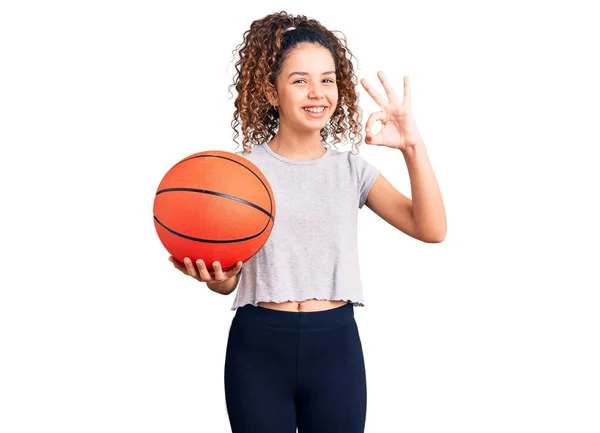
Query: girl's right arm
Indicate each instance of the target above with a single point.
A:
(219, 281)
(226, 287)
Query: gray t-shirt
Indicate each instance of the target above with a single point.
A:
(312, 250)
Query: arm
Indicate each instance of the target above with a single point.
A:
(428, 211)
(224, 283)
(226, 287)
(423, 217)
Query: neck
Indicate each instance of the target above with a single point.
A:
(297, 145)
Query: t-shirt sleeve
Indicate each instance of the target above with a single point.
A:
(367, 174)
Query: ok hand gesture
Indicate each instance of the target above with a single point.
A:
(399, 130)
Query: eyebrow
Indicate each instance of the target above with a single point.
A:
(306, 73)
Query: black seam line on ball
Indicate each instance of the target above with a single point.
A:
(219, 194)
(212, 241)
(234, 161)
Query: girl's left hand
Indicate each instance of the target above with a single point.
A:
(399, 130)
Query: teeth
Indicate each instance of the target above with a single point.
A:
(315, 109)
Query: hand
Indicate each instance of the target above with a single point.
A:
(399, 130)
(201, 273)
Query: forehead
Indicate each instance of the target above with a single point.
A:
(309, 57)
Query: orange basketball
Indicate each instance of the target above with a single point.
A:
(214, 206)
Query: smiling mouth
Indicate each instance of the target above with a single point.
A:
(314, 109)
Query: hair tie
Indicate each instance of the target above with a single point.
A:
(290, 28)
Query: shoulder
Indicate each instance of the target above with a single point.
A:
(256, 151)
(354, 160)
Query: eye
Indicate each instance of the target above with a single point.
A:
(326, 79)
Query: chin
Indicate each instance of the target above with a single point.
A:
(316, 124)
(315, 128)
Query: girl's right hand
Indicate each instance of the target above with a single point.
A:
(201, 273)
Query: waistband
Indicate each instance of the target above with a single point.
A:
(295, 319)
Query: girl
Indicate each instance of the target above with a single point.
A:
(294, 356)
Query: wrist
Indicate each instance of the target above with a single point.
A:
(224, 287)
(413, 149)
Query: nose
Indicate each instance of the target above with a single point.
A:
(316, 92)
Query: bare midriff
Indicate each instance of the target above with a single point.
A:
(308, 305)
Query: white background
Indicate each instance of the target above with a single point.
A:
(496, 329)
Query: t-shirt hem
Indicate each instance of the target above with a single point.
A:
(255, 304)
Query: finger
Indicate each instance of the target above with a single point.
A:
(379, 116)
(218, 270)
(189, 267)
(203, 271)
(370, 137)
(406, 92)
(389, 90)
(178, 265)
(376, 140)
(379, 99)
(236, 270)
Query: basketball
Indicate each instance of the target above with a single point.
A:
(214, 206)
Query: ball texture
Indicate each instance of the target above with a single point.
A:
(215, 206)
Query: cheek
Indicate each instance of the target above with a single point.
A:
(333, 95)
(293, 99)
(333, 98)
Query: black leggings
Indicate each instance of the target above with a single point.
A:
(295, 369)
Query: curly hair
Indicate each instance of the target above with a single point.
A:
(261, 54)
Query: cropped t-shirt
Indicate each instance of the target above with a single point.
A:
(312, 251)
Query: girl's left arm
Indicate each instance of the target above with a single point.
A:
(428, 211)
(423, 217)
